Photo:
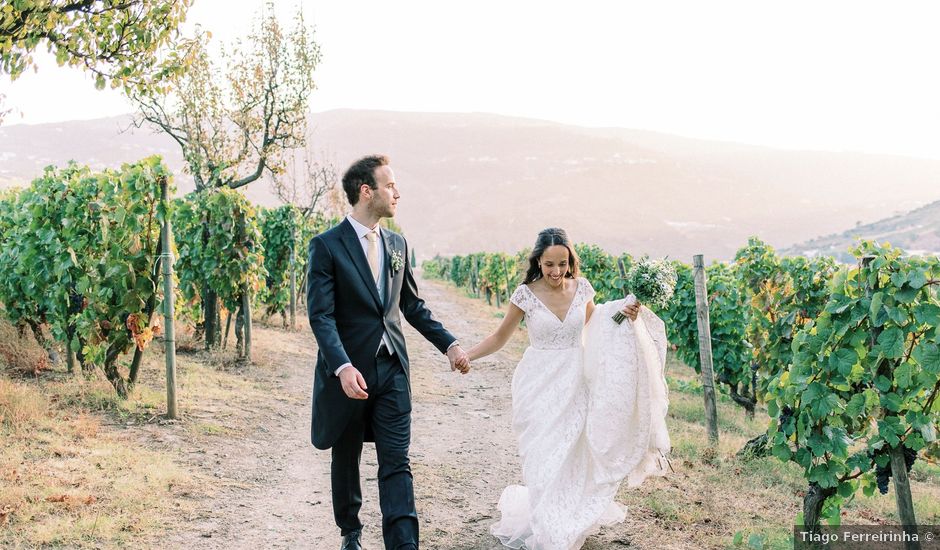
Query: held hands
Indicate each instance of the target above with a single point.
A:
(459, 360)
(353, 383)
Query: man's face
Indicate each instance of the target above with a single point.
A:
(385, 198)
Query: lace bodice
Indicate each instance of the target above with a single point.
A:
(546, 330)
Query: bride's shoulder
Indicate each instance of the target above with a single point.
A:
(520, 296)
(521, 289)
(586, 285)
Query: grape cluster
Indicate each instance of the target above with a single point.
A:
(76, 301)
(785, 414)
(883, 473)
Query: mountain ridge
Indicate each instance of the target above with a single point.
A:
(479, 181)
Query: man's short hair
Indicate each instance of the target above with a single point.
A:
(362, 172)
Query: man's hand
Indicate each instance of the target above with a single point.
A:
(353, 383)
(631, 310)
(459, 360)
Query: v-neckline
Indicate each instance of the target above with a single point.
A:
(570, 305)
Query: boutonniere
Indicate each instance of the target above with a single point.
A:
(398, 261)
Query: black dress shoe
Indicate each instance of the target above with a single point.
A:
(351, 540)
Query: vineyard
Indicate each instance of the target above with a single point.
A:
(838, 363)
(843, 359)
(81, 255)
(803, 391)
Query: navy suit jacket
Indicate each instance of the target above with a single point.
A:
(348, 317)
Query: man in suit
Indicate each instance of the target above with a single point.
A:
(359, 282)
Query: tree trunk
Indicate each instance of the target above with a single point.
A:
(80, 355)
(813, 504)
(239, 332)
(246, 312)
(149, 308)
(243, 327)
(228, 325)
(755, 448)
(37, 332)
(740, 397)
(113, 373)
(69, 356)
(211, 309)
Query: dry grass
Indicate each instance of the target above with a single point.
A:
(78, 466)
(67, 479)
(20, 353)
(713, 495)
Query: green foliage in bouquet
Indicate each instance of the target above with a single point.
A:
(653, 282)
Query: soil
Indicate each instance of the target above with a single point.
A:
(268, 487)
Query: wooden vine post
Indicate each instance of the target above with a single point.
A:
(293, 286)
(166, 256)
(705, 347)
(246, 308)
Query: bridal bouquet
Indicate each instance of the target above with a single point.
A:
(652, 282)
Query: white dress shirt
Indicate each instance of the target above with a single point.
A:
(361, 232)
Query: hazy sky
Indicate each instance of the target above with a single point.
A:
(835, 75)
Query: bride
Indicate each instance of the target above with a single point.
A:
(589, 403)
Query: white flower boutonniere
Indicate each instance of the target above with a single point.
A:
(398, 261)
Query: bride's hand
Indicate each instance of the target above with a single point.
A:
(631, 310)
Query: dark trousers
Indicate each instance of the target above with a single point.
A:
(387, 412)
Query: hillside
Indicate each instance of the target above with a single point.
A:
(917, 232)
(480, 181)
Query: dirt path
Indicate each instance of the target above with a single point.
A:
(271, 487)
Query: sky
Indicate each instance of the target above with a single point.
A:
(825, 75)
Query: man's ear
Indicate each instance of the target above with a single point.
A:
(362, 190)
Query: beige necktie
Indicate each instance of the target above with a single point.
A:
(373, 254)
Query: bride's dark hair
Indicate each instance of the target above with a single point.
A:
(551, 237)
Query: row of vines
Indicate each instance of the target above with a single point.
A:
(844, 359)
(80, 262)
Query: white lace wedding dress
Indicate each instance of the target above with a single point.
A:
(589, 408)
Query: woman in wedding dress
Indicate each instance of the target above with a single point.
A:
(589, 403)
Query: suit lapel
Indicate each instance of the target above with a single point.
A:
(351, 242)
(388, 268)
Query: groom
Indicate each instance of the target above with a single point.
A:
(358, 280)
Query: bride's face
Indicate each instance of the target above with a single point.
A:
(554, 264)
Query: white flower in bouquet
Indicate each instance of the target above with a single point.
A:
(651, 282)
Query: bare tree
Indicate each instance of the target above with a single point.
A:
(307, 182)
(232, 134)
(235, 123)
